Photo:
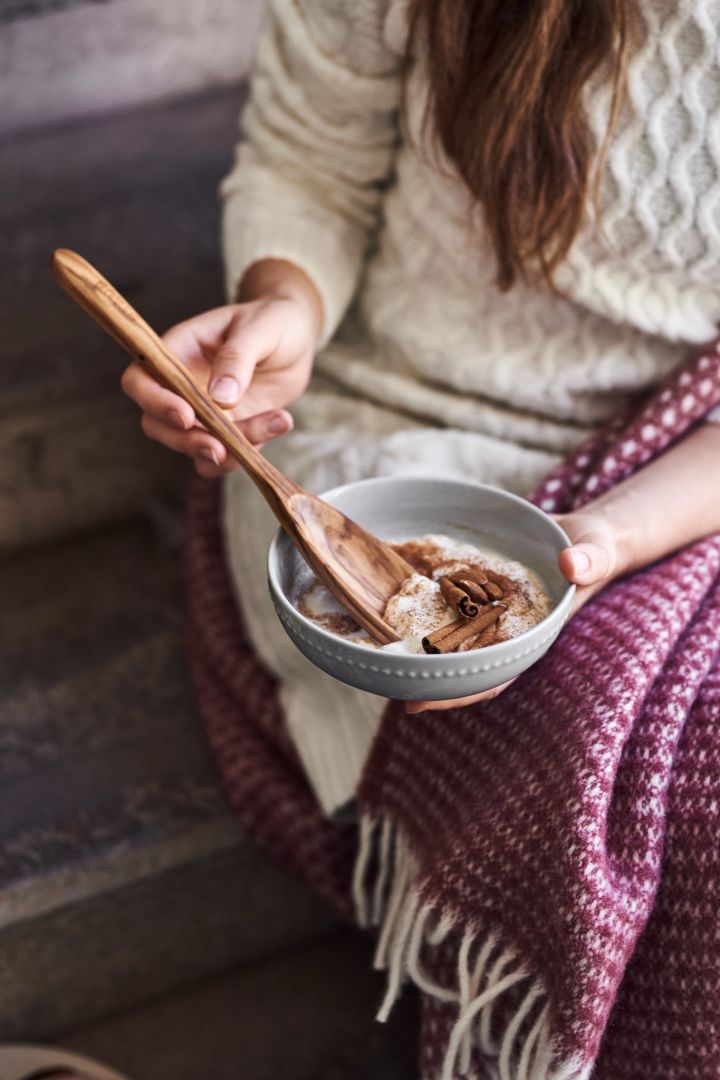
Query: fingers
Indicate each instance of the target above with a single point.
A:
(196, 443)
(413, 707)
(155, 400)
(229, 341)
(200, 334)
(209, 452)
(248, 341)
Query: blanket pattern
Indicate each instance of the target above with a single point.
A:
(544, 867)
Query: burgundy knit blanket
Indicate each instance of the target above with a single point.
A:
(545, 867)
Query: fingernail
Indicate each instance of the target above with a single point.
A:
(209, 455)
(411, 708)
(278, 424)
(177, 419)
(226, 389)
(581, 562)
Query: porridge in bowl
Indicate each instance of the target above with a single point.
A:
(461, 597)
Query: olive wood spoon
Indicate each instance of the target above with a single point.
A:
(360, 570)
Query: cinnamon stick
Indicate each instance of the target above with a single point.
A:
(459, 599)
(495, 591)
(449, 638)
(499, 579)
(495, 586)
(473, 588)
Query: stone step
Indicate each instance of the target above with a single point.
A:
(122, 873)
(308, 1015)
(64, 59)
(136, 193)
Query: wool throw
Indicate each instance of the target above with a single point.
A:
(544, 867)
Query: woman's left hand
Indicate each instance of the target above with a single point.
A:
(592, 562)
(669, 503)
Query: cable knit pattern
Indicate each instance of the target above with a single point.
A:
(324, 138)
(660, 200)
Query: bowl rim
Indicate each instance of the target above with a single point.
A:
(357, 648)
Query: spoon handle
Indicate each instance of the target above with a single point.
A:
(98, 298)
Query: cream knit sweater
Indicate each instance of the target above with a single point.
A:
(328, 178)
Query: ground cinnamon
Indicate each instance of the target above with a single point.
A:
(448, 638)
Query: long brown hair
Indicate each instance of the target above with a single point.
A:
(506, 81)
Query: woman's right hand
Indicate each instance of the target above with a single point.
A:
(255, 357)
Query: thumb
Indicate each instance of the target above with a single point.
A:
(585, 564)
(247, 342)
(592, 557)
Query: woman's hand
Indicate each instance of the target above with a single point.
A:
(672, 502)
(598, 554)
(254, 356)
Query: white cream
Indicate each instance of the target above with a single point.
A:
(406, 646)
(319, 601)
(417, 608)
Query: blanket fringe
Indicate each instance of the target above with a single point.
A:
(386, 894)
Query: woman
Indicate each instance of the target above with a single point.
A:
(482, 229)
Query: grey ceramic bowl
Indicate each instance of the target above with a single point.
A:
(405, 507)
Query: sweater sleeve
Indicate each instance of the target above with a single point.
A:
(320, 133)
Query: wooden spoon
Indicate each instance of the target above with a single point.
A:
(360, 571)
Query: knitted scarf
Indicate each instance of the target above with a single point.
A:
(545, 866)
